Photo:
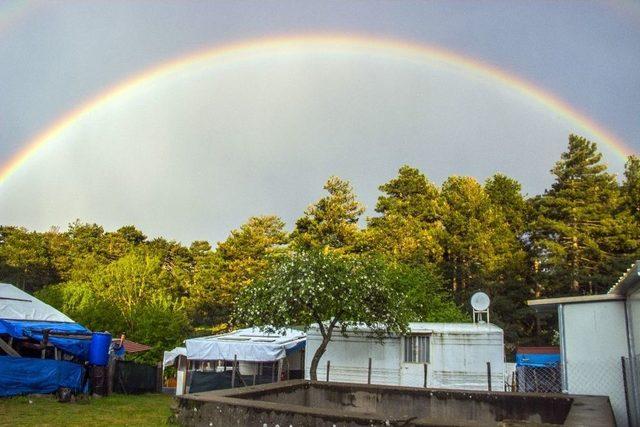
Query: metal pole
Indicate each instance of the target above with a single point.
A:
(328, 369)
(489, 375)
(626, 391)
(426, 371)
(369, 373)
(233, 371)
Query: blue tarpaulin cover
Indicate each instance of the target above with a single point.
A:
(35, 329)
(535, 360)
(22, 375)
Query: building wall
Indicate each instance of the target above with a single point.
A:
(349, 358)
(633, 317)
(457, 361)
(460, 361)
(595, 339)
(633, 303)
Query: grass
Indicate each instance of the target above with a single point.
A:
(115, 410)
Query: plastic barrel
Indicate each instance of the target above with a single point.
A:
(99, 348)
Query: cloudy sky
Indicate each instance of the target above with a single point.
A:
(194, 153)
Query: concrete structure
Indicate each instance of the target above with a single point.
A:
(455, 356)
(599, 334)
(304, 403)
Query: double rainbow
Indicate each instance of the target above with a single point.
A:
(346, 44)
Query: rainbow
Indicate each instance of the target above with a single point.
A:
(268, 47)
(12, 13)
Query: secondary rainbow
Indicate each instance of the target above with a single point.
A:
(322, 43)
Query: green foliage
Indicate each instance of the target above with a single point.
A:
(419, 258)
(631, 186)
(506, 196)
(421, 291)
(332, 221)
(242, 258)
(409, 227)
(478, 242)
(578, 233)
(131, 296)
(326, 289)
(24, 258)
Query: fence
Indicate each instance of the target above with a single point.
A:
(529, 379)
(136, 378)
(200, 380)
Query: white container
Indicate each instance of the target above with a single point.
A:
(455, 354)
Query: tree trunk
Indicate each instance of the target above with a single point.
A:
(315, 361)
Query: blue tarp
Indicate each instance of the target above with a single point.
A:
(22, 375)
(536, 360)
(34, 329)
(299, 346)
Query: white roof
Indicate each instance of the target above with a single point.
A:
(250, 344)
(454, 328)
(169, 357)
(439, 328)
(19, 305)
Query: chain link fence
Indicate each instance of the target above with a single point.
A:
(612, 378)
(528, 379)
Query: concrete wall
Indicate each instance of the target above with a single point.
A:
(457, 361)
(301, 403)
(595, 338)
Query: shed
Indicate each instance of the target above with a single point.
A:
(453, 355)
(599, 344)
(242, 357)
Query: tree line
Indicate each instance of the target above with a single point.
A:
(438, 245)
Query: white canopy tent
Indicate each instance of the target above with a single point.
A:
(16, 304)
(249, 345)
(170, 357)
(253, 351)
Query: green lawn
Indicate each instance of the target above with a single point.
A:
(115, 410)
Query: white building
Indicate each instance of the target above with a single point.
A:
(455, 356)
(598, 332)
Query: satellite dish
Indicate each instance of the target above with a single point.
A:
(480, 301)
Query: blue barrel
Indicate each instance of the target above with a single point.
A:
(99, 348)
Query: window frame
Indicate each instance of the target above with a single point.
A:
(413, 341)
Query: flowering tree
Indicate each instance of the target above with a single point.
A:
(329, 290)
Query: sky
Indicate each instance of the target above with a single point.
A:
(194, 152)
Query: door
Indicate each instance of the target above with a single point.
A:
(415, 360)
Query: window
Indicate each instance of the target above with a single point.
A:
(416, 349)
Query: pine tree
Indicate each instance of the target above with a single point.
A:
(631, 186)
(332, 222)
(577, 227)
(478, 244)
(409, 226)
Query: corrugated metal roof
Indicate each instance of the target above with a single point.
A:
(134, 347)
(538, 350)
(629, 280)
